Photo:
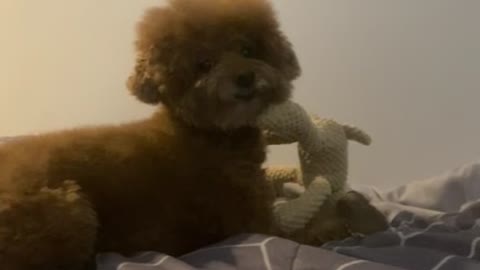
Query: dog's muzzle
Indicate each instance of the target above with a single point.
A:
(245, 86)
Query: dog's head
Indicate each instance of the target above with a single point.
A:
(213, 63)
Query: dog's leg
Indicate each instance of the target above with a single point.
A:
(50, 229)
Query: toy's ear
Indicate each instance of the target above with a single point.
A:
(147, 82)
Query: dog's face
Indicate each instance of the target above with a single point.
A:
(213, 63)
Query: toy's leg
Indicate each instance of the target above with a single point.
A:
(50, 229)
(279, 176)
(295, 214)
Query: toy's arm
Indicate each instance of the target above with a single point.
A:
(283, 124)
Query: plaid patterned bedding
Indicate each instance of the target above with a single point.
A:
(411, 243)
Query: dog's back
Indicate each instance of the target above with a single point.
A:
(151, 185)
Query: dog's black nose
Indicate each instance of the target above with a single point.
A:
(245, 80)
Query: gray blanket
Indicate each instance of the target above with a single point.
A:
(435, 224)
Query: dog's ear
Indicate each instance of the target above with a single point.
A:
(147, 82)
(282, 53)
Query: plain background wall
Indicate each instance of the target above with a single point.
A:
(406, 71)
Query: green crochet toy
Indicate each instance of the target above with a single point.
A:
(322, 150)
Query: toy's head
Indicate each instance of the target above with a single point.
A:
(213, 63)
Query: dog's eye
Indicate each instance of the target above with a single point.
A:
(247, 52)
(205, 65)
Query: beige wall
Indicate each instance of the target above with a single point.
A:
(407, 71)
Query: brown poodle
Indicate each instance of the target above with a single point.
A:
(187, 177)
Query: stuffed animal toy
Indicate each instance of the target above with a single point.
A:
(322, 150)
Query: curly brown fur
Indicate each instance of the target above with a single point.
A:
(186, 177)
(195, 56)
